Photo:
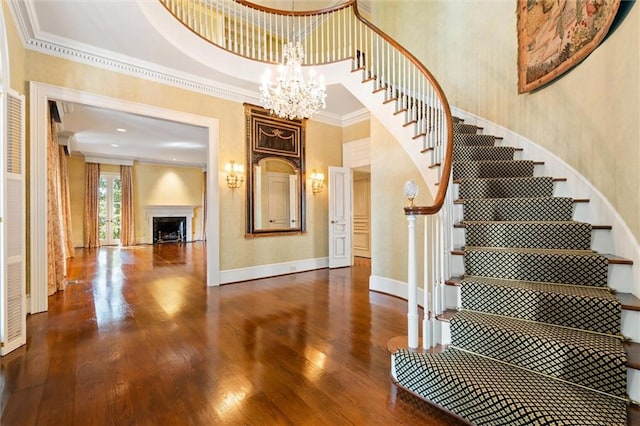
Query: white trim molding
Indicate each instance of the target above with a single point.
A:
(264, 271)
(393, 288)
(39, 95)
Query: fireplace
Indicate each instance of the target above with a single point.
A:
(167, 229)
(173, 223)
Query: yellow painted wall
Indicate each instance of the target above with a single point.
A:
(391, 167)
(155, 184)
(590, 117)
(356, 131)
(16, 51)
(76, 172)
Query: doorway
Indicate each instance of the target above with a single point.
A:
(109, 207)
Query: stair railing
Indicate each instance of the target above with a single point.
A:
(336, 34)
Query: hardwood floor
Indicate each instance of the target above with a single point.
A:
(140, 340)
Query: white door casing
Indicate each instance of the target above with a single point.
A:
(340, 182)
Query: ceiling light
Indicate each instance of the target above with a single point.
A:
(291, 97)
(115, 145)
(120, 129)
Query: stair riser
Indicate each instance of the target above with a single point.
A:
(492, 169)
(520, 209)
(569, 311)
(506, 188)
(552, 268)
(604, 370)
(462, 139)
(483, 153)
(573, 236)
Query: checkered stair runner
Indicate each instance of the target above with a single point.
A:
(518, 187)
(548, 235)
(587, 308)
(535, 306)
(473, 139)
(583, 268)
(519, 209)
(593, 360)
(487, 392)
(489, 169)
(483, 153)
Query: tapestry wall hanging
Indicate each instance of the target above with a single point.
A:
(555, 35)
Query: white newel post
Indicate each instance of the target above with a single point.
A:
(412, 297)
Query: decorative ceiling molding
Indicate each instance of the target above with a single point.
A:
(35, 39)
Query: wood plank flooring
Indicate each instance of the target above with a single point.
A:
(140, 340)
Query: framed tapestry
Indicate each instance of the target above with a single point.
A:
(555, 35)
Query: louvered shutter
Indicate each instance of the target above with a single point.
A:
(12, 228)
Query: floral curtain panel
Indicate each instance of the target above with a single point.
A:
(92, 182)
(65, 204)
(55, 233)
(127, 231)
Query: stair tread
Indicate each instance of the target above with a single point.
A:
(611, 258)
(503, 390)
(629, 301)
(564, 289)
(568, 336)
(575, 200)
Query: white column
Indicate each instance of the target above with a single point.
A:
(412, 296)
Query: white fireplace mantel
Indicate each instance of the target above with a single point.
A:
(168, 211)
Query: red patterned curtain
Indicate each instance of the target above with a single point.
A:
(92, 182)
(127, 229)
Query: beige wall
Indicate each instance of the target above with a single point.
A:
(391, 167)
(356, 131)
(16, 51)
(590, 117)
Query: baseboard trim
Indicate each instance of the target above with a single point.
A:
(263, 271)
(393, 288)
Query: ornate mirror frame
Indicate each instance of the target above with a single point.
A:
(270, 137)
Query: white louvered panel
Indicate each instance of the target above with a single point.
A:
(15, 309)
(14, 135)
(14, 230)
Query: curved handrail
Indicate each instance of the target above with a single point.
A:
(329, 35)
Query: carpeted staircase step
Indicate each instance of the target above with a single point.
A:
(596, 361)
(518, 187)
(519, 209)
(465, 128)
(492, 169)
(483, 153)
(488, 392)
(568, 235)
(471, 139)
(551, 266)
(586, 308)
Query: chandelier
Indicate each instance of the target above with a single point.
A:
(291, 97)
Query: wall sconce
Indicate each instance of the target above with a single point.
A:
(235, 174)
(317, 182)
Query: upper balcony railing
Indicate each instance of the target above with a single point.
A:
(336, 34)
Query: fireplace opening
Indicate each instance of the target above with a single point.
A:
(169, 229)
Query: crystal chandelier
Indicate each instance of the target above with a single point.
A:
(291, 97)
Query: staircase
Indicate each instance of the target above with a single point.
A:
(537, 337)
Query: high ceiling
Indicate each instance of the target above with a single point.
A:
(119, 34)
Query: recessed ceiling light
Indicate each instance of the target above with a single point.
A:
(115, 145)
(174, 158)
(120, 129)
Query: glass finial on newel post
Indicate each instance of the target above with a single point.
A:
(411, 191)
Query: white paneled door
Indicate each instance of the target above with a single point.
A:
(340, 182)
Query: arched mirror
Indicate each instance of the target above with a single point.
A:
(275, 174)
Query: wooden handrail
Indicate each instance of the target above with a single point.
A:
(282, 12)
